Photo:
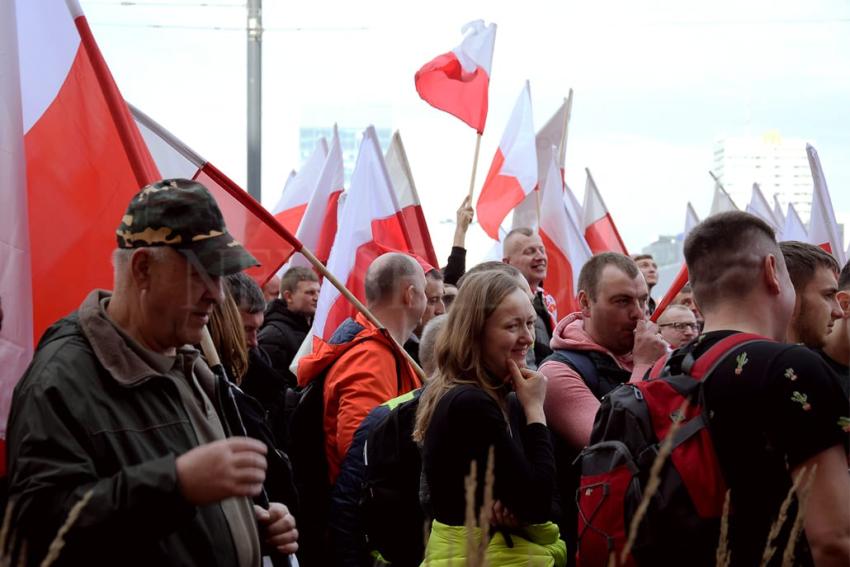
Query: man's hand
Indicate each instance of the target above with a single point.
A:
(649, 346)
(464, 217)
(222, 469)
(279, 527)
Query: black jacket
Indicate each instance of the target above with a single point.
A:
(280, 337)
(76, 426)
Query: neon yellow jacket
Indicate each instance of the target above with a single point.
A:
(538, 546)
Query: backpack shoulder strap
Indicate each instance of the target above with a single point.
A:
(709, 360)
(579, 362)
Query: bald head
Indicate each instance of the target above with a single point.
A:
(388, 275)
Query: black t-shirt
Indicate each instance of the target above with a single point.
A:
(465, 423)
(842, 371)
(772, 406)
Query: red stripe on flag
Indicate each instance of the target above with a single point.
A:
(559, 277)
(672, 292)
(328, 234)
(442, 83)
(499, 195)
(291, 218)
(420, 238)
(602, 236)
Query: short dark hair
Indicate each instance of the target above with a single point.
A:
(524, 231)
(844, 278)
(490, 265)
(723, 254)
(246, 293)
(434, 274)
(591, 272)
(295, 275)
(803, 260)
(639, 257)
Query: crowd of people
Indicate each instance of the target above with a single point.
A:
(245, 455)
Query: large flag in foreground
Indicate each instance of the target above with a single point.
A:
(565, 244)
(457, 82)
(299, 189)
(71, 160)
(246, 219)
(599, 229)
(823, 228)
(370, 224)
(401, 178)
(318, 225)
(513, 173)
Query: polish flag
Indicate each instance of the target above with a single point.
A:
(553, 133)
(599, 228)
(794, 229)
(318, 226)
(401, 178)
(574, 208)
(823, 228)
(759, 207)
(299, 188)
(70, 160)
(779, 215)
(513, 174)
(246, 219)
(371, 223)
(457, 82)
(565, 245)
(691, 219)
(721, 202)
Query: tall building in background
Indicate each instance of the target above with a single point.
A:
(349, 139)
(779, 165)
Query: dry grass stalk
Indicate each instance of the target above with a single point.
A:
(797, 527)
(22, 558)
(612, 559)
(471, 484)
(486, 512)
(5, 560)
(724, 555)
(776, 527)
(652, 484)
(59, 541)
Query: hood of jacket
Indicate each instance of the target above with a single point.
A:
(569, 334)
(278, 311)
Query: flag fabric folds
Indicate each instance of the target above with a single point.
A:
(401, 178)
(721, 202)
(565, 245)
(513, 173)
(759, 207)
(794, 229)
(691, 220)
(823, 228)
(299, 189)
(457, 82)
(599, 229)
(246, 219)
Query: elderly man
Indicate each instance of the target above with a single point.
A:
(118, 408)
(677, 325)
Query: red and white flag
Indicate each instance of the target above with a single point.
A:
(513, 173)
(401, 178)
(370, 224)
(691, 219)
(299, 189)
(457, 82)
(553, 133)
(565, 245)
(246, 219)
(318, 226)
(71, 158)
(759, 207)
(794, 229)
(574, 208)
(778, 215)
(599, 229)
(823, 228)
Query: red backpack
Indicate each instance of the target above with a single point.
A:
(683, 519)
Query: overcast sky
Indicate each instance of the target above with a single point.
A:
(656, 84)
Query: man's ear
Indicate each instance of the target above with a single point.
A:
(771, 275)
(584, 303)
(844, 301)
(141, 266)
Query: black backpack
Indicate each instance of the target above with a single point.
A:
(683, 519)
(393, 519)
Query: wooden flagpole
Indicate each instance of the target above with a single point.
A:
(474, 165)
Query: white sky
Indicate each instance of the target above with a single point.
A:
(656, 83)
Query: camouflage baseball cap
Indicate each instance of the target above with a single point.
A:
(182, 214)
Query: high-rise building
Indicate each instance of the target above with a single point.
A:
(349, 140)
(779, 165)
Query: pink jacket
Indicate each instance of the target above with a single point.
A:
(570, 406)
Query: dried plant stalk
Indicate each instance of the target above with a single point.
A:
(797, 526)
(59, 541)
(612, 559)
(471, 484)
(652, 484)
(4, 531)
(776, 527)
(486, 512)
(724, 555)
(22, 558)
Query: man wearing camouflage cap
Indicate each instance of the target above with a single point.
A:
(118, 404)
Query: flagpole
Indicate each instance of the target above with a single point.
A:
(474, 165)
(323, 270)
(537, 192)
(562, 148)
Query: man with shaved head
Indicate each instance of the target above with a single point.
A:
(524, 249)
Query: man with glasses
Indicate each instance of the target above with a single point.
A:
(678, 326)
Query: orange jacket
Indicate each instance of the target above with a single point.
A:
(362, 374)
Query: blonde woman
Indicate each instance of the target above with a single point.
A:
(465, 411)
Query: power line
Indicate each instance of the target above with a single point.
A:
(128, 4)
(240, 28)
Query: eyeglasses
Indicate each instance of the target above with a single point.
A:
(682, 326)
